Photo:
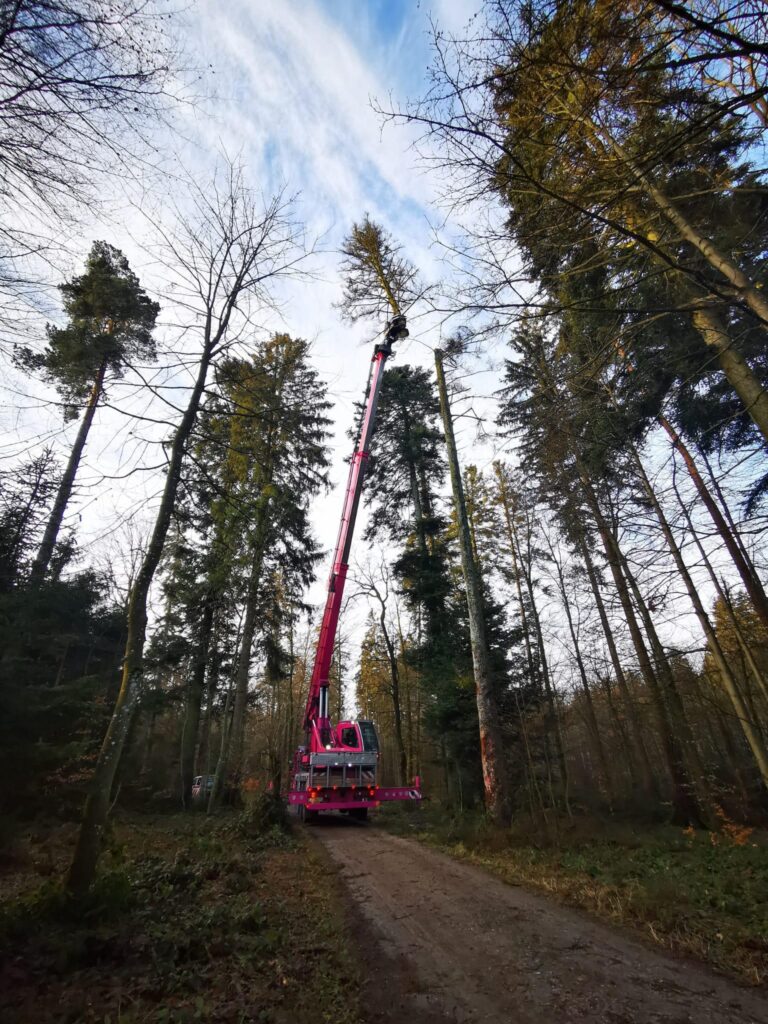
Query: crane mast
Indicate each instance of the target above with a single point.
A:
(317, 702)
(336, 768)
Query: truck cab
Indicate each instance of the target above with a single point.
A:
(358, 736)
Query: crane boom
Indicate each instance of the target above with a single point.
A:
(317, 700)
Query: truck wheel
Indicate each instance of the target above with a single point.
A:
(359, 813)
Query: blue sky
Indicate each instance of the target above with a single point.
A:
(394, 35)
(291, 84)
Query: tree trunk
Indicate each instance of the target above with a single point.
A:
(412, 762)
(412, 705)
(747, 651)
(685, 808)
(751, 583)
(732, 759)
(204, 747)
(497, 797)
(671, 697)
(592, 723)
(64, 493)
(650, 784)
(83, 868)
(751, 734)
(233, 762)
(744, 288)
(149, 742)
(222, 761)
(720, 497)
(504, 500)
(517, 563)
(533, 788)
(741, 377)
(396, 708)
(194, 699)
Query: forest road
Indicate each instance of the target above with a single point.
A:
(444, 941)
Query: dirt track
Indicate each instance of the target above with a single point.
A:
(444, 941)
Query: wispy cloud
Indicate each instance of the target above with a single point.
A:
(293, 82)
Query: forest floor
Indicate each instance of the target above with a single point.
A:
(193, 919)
(230, 921)
(445, 940)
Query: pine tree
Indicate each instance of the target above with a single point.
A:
(111, 319)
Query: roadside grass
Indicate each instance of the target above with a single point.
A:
(700, 893)
(230, 919)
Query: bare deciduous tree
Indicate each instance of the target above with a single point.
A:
(82, 84)
(223, 258)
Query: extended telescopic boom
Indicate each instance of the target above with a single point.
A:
(317, 702)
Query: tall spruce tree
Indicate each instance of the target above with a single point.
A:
(560, 437)
(591, 130)
(25, 496)
(405, 473)
(272, 431)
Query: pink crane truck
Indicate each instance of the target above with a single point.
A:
(337, 767)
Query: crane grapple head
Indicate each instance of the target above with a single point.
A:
(396, 329)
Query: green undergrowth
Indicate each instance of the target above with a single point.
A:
(231, 920)
(700, 893)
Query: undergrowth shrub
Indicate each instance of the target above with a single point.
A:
(263, 822)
